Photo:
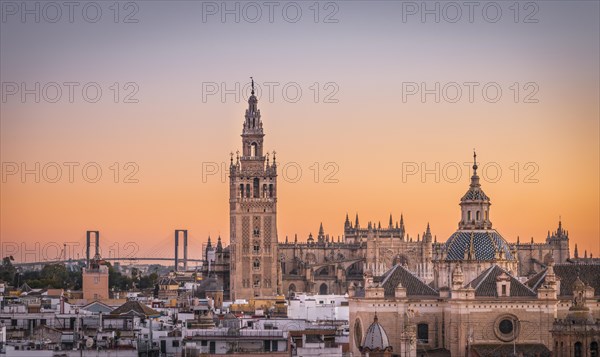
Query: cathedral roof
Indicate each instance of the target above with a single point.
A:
(485, 284)
(476, 245)
(399, 275)
(376, 338)
(568, 274)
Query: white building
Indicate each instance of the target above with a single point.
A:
(319, 307)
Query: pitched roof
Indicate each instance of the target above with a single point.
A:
(97, 306)
(485, 284)
(167, 280)
(568, 273)
(135, 308)
(537, 280)
(414, 286)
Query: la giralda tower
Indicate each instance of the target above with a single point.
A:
(254, 265)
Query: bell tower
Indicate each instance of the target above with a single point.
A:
(253, 213)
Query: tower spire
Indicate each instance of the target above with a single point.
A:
(475, 178)
(252, 79)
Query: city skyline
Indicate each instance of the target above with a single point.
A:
(364, 120)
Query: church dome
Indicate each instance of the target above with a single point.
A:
(376, 338)
(475, 194)
(477, 245)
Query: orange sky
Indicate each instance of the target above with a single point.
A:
(370, 134)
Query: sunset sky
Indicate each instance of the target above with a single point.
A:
(364, 128)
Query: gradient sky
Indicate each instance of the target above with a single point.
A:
(177, 49)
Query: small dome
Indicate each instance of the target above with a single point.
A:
(475, 194)
(376, 338)
(485, 245)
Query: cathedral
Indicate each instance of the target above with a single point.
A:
(475, 294)
(259, 264)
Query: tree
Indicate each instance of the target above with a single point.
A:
(7, 270)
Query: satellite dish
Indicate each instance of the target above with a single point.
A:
(89, 342)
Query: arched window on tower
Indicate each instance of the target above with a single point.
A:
(256, 187)
(248, 190)
(477, 217)
(253, 149)
(256, 264)
(486, 215)
(271, 190)
(264, 190)
(242, 190)
(468, 215)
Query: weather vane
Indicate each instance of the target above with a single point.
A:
(252, 79)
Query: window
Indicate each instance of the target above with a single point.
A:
(175, 343)
(247, 190)
(578, 349)
(253, 149)
(357, 333)
(270, 346)
(257, 282)
(506, 326)
(203, 343)
(256, 187)
(256, 264)
(477, 215)
(594, 349)
(242, 190)
(468, 215)
(256, 232)
(256, 248)
(323, 289)
(423, 333)
(96, 280)
(503, 290)
(486, 215)
(271, 190)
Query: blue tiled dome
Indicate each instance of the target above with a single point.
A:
(485, 245)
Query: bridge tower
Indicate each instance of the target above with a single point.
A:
(88, 238)
(185, 248)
